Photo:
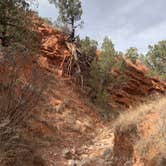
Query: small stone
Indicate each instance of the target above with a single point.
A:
(107, 152)
(72, 163)
(67, 154)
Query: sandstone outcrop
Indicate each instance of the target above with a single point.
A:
(133, 85)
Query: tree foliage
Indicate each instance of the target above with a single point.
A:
(100, 71)
(10, 18)
(156, 57)
(70, 12)
(16, 25)
(108, 47)
(88, 47)
(132, 54)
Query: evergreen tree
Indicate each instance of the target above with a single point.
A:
(156, 57)
(100, 71)
(70, 12)
(106, 60)
(88, 48)
(132, 54)
(108, 47)
(10, 18)
(15, 19)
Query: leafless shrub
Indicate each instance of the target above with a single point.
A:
(19, 94)
(21, 89)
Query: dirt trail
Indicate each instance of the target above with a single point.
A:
(68, 130)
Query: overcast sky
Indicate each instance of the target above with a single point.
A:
(136, 23)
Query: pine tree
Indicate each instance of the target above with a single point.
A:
(108, 47)
(156, 57)
(70, 12)
(14, 16)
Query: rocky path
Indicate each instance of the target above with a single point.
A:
(93, 152)
(68, 131)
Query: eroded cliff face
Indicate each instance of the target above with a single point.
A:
(54, 49)
(132, 84)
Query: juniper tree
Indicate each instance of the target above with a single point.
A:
(70, 12)
(88, 47)
(107, 59)
(15, 15)
(156, 57)
(9, 18)
(100, 71)
(108, 47)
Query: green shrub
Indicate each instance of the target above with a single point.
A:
(156, 59)
(100, 78)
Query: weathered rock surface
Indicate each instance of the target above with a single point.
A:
(132, 85)
(53, 48)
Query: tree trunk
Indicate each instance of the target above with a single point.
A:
(4, 42)
(73, 29)
(4, 38)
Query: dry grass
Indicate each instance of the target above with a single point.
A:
(136, 115)
(147, 126)
(20, 93)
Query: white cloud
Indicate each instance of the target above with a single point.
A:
(127, 22)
